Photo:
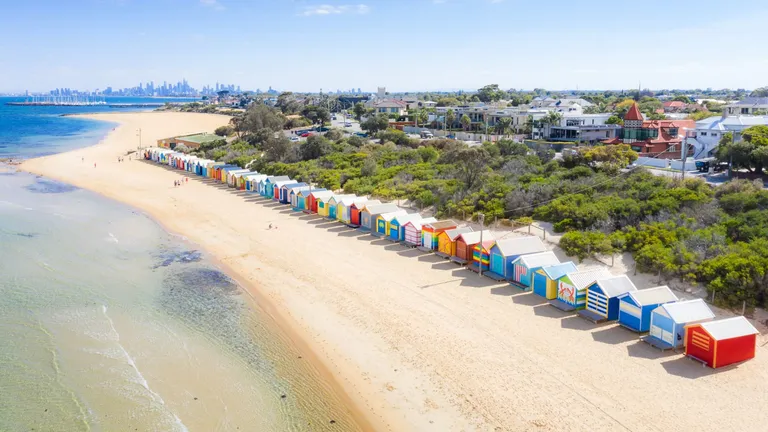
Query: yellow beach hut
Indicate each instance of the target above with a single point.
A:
(446, 241)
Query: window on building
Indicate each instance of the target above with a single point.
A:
(714, 134)
(745, 110)
(703, 134)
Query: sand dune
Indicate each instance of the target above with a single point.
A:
(418, 343)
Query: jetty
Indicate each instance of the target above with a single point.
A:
(59, 101)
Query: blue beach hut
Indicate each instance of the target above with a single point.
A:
(635, 307)
(545, 278)
(294, 196)
(396, 232)
(668, 321)
(507, 250)
(603, 298)
(285, 191)
(525, 266)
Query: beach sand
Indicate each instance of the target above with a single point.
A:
(417, 343)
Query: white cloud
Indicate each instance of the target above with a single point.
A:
(325, 9)
(213, 4)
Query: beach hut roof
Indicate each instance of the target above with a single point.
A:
(309, 191)
(616, 285)
(487, 244)
(520, 245)
(353, 199)
(474, 237)
(298, 190)
(453, 234)
(586, 278)
(537, 260)
(443, 224)
(405, 218)
(323, 195)
(275, 179)
(688, 311)
(282, 183)
(369, 203)
(381, 208)
(391, 215)
(729, 328)
(296, 186)
(558, 270)
(653, 296)
(256, 176)
(419, 223)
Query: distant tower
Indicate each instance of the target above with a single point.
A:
(633, 122)
(381, 93)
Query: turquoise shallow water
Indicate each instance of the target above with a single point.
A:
(109, 323)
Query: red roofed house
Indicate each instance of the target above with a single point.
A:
(391, 106)
(674, 106)
(660, 139)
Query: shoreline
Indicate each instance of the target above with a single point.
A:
(417, 343)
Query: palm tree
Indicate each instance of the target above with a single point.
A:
(450, 117)
(423, 116)
(465, 122)
(503, 126)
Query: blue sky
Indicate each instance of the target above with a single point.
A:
(405, 45)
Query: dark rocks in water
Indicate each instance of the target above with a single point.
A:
(27, 235)
(195, 398)
(183, 257)
(46, 186)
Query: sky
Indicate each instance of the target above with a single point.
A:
(403, 45)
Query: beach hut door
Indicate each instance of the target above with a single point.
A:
(597, 302)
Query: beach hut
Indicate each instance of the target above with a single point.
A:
(221, 172)
(383, 221)
(233, 175)
(396, 231)
(446, 246)
(333, 204)
(525, 266)
(240, 179)
(318, 200)
(285, 191)
(412, 231)
(603, 298)
(293, 196)
(430, 232)
(213, 168)
(323, 204)
(507, 250)
(668, 321)
(481, 256)
(371, 212)
(635, 307)
(722, 342)
(267, 187)
(201, 166)
(343, 208)
(466, 243)
(278, 185)
(304, 198)
(545, 279)
(356, 209)
(208, 167)
(252, 182)
(572, 289)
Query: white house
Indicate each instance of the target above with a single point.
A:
(709, 131)
(747, 106)
(390, 106)
(581, 128)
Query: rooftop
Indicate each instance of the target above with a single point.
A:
(520, 245)
(731, 122)
(653, 296)
(633, 113)
(616, 285)
(688, 311)
(540, 259)
(751, 101)
(586, 278)
(729, 328)
(558, 270)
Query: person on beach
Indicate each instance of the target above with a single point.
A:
(270, 226)
(94, 164)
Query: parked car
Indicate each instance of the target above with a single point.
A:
(294, 138)
(361, 134)
(306, 134)
(427, 134)
(333, 118)
(322, 129)
(348, 124)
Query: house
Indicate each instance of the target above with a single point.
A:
(446, 241)
(191, 141)
(722, 342)
(507, 250)
(709, 131)
(356, 209)
(390, 106)
(343, 214)
(603, 298)
(572, 289)
(747, 106)
(668, 322)
(545, 279)
(481, 256)
(383, 222)
(412, 231)
(334, 202)
(466, 243)
(635, 307)
(397, 225)
(583, 128)
(371, 212)
(430, 232)
(294, 197)
(304, 198)
(674, 106)
(660, 139)
(525, 266)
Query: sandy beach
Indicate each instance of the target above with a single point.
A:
(414, 342)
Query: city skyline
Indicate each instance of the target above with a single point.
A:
(441, 44)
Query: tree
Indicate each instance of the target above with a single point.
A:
(316, 146)
(287, 103)
(490, 93)
(585, 244)
(316, 114)
(359, 110)
(649, 105)
(511, 148)
(447, 101)
(375, 123)
(470, 164)
(262, 117)
(759, 92)
(750, 153)
(450, 117)
(701, 115)
(683, 99)
(276, 149)
(423, 117)
(615, 120)
(224, 131)
(466, 122)
(503, 126)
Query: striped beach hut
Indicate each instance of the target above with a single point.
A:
(635, 307)
(430, 232)
(466, 243)
(412, 231)
(356, 209)
(383, 221)
(603, 298)
(343, 208)
(481, 255)
(333, 204)
(319, 198)
(446, 241)
(722, 342)
(572, 289)
(668, 322)
(507, 250)
(371, 212)
(545, 279)
(525, 267)
(396, 231)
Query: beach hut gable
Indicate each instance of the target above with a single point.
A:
(602, 297)
(525, 266)
(447, 240)
(635, 307)
(467, 241)
(545, 279)
(521, 246)
(412, 231)
(668, 321)
(571, 287)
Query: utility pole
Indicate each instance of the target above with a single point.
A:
(481, 217)
(139, 138)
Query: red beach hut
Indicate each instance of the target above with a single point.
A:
(720, 343)
(356, 208)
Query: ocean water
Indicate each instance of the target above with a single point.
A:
(109, 323)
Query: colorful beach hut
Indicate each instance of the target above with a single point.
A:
(285, 191)
(323, 204)
(635, 307)
(446, 246)
(481, 255)
(224, 174)
(466, 243)
(396, 231)
(668, 322)
(384, 220)
(431, 231)
(371, 212)
(278, 187)
(252, 182)
(333, 204)
(319, 199)
(507, 250)
(412, 231)
(525, 267)
(722, 342)
(545, 278)
(234, 175)
(304, 198)
(213, 169)
(293, 196)
(343, 208)
(269, 185)
(357, 208)
(572, 289)
(603, 298)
